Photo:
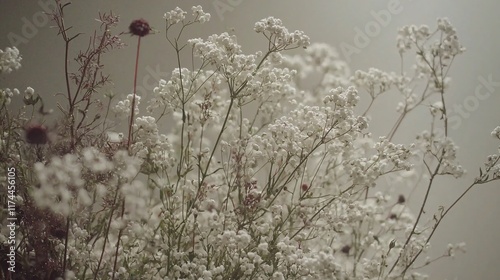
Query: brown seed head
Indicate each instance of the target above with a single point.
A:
(139, 27)
(346, 249)
(36, 134)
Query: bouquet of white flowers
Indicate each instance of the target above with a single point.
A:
(235, 171)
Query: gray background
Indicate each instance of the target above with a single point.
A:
(474, 220)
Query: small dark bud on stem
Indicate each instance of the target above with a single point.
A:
(36, 134)
(139, 27)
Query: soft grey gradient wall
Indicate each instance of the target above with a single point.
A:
(475, 220)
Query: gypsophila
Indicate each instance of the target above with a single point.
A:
(280, 36)
(496, 132)
(200, 15)
(256, 165)
(175, 16)
(10, 59)
(122, 108)
(6, 95)
(59, 181)
(96, 161)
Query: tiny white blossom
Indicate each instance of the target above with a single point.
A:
(175, 16)
(10, 59)
(496, 132)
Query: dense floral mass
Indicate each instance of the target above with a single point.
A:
(9, 60)
(257, 178)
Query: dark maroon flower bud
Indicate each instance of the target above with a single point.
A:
(401, 199)
(36, 134)
(393, 216)
(139, 27)
(346, 249)
(304, 187)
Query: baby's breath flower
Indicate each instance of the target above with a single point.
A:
(200, 15)
(122, 109)
(274, 28)
(496, 132)
(175, 16)
(126, 166)
(6, 95)
(95, 161)
(257, 176)
(10, 59)
(58, 182)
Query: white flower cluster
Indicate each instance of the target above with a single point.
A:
(95, 161)
(137, 196)
(175, 16)
(343, 98)
(389, 158)
(126, 167)
(281, 37)
(178, 15)
(151, 146)
(122, 108)
(449, 46)
(9, 60)
(59, 181)
(306, 128)
(167, 93)
(182, 88)
(200, 15)
(444, 150)
(496, 132)
(6, 95)
(410, 34)
(326, 60)
(217, 49)
(257, 178)
(432, 59)
(30, 97)
(322, 60)
(375, 80)
(270, 87)
(492, 164)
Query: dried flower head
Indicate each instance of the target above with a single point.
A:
(36, 134)
(139, 27)
(346, 249)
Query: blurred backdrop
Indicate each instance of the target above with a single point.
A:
(475, 220)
